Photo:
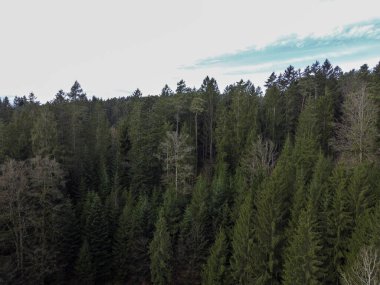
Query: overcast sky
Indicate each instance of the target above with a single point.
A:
(113, 47)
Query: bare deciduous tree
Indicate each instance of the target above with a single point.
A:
(175, 154)
(13, 209)
(260, 157)
(30, 204)
(356, 134)
(365, 270)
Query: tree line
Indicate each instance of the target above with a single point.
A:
(196, 186)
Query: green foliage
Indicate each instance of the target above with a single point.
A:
(302, 260)
(243, 247)
(215, 270)
(338, 223)
(121, 247)
(160, 253)
(96, 231)
(193, 239)
(360, 190)
(271, 219)
(84, 266)
(104, 191)
(44, 134)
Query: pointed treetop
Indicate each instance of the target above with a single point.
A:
(182, 88)
(209, 85)
(166, 91)
(76, 92)
(137, 93)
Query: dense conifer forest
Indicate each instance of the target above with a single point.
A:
(196, 185)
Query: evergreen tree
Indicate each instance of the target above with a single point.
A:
(76, 93)
(339, 223)
(97, 235)
(121, 247)
(302, 260)
(138, 242)
(160, 253)
(271, 218)
(84, 266)
(215, 269)
(44, 134)
(243, 248)
(166, 91)
(193, 239)
(360, 190)
(69, 239)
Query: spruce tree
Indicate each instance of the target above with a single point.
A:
(160, 251)
(243, 250)
(97, 235)
(84, 266)
(338, 225)
(215, 269)
(138, 242)
(271, 218)
(302, 261)
(194, 235)
(360, 190)
(121, 247)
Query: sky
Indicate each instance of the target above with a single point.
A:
(113, 47)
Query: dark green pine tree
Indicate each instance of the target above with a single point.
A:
(305, 154)
(302, 261)
(361, 190)
(172, 207)
(194, 235)
(68, 238)
(271, 218)
(338, 223)
(160, 250)
(84, 266)
(138, 242)
(97, 235)
(215, 270)
(319, 182)
(221, 198)
(76, 93)
(124, 146)
(121, 246)
(243, 260)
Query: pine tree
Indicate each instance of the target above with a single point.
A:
(271, 218)
(68, 238)
(97, 235)
(84, 266)
(302, 261)
(160, 253)
(360, 190)
(339, 223)
(243, 248)
(194, 238)
(44, 134)
(76, 93)
(138, 242)
(215, 269)
(221, 198)
(121, 247)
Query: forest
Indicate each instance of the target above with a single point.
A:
(196, 185)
